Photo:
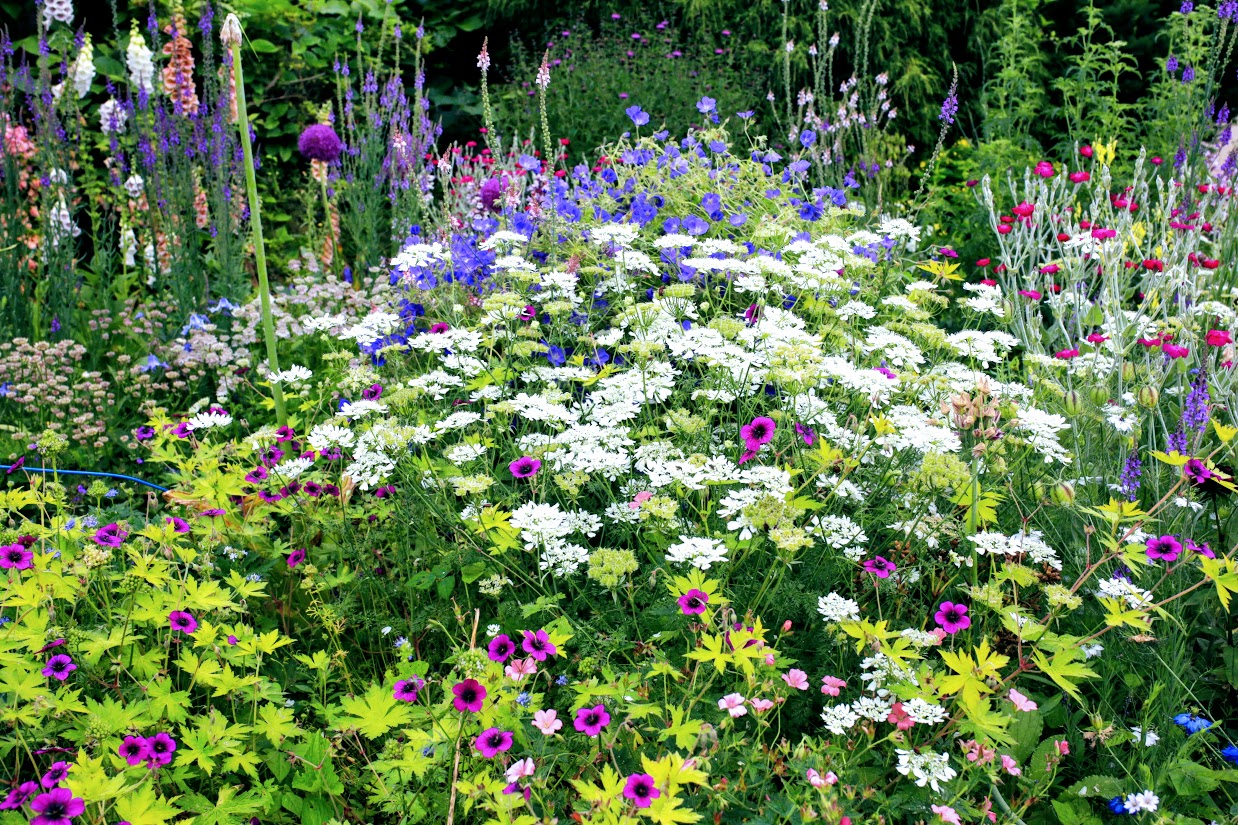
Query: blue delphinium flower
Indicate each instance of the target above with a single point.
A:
(1192, 723)
(1230, 754)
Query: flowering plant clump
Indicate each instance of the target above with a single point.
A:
(685, 486)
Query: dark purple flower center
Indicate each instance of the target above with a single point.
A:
(952, 615)
(592, 719)
(759, 431)
(537, 644)
(495, 740)
(641, 790)
(14, 556)
(469, 695)
(55, 810)
(132, 748)
(58, 665)
(158, 746)
(694, 602)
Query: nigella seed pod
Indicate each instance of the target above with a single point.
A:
(1128, 371)
(1074, 403)
(1063, 493)
(1100, 396)
(1147, 397)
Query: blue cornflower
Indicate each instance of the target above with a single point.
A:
(1230, 754)
(1191, 723)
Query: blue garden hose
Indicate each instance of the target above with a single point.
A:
(84, 473)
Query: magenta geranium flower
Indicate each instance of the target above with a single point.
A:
(406, 689)
(470, 694)
(538, 645)
(134, 750)
(1201, 548)
(590, 721)
(525, 467)
(59, 667)
(110, 535)
(183, 621)
(758, 432)
(952, 617)
(16, 557)
(296, 557)
(806, 433)
(1196, 471)
(57, 807)
(18, 796)
(179, 525)
(501, 648)
(161, 747)
(1166, 548)
(55, 774)
(693, 602)
(640, 790)
(492, 742)
(880, 567)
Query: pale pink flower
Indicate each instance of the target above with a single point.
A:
(947, 814)
(520, 668)
(1021, 702)
(769, 659)
(733, 704)
(547, 721)
(831, 685)
(900, 718)
(1010, 766)
(796, 678)
(818, 781)
(520, 769)
(761, 705)
(639, 499)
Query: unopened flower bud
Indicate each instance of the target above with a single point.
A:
(1074, 403)
(1128, 371)
(1063, 493)
(1147, 397)
(1100, 396)
(230, 34)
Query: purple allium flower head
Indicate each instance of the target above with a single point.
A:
(320, 142)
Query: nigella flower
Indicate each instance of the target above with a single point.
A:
(525, 467)
(538, 645)
(110, 535)
(406, 689)
(952, 617)
(1196, 471)
(1230, 754)
(640, 789)
(16, 557)
(59, 667)
(1165, 548)
(501, 648)
(55, 774)
(880, 567)
(183, 621)
(470, 694)
(693, 602)
(1192, 723)
(134, 750)
(492, 742)
(320, 142)
(590, 721)
(56, 807)
(161, 747)
(296, 557)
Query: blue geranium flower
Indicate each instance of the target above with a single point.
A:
(639, 116)
(1191, 722)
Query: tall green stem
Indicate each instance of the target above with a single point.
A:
(255, 222)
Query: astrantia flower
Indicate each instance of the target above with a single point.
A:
(590, 721)
(880, 567)
(320, 142)
(134, 750)
(538, 645)
(693, 602)
(470, 694)
(16, 557)
(183, 621)
(758, 432)
(952, 617)
(525, 467)
(1192, 723)
(492, 742)
(55, 774)
(406, 689)
(640, 790)
(501, 648)
(1165, 548)
(56, 807)
(161, 747)
(59, 667)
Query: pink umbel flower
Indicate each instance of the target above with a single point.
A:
(640, 790)
(832, 685)
(796, 678)
(547, 721)
(952, 617)
(733, 704)
(492, 742)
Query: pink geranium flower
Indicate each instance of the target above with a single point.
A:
(693, 602)
(470, 694)
(758, 432)
(547, 721)
(538, 645)
(832, 685)
(733, 704)
(796, 678)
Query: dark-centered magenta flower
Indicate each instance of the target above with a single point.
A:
(161, 747)
(296, 557)
(134, 750)
(525, 467)
(693, 602)
(1196, 471)
(952, 617)
(406, 689)
(470, 694)
(590, 721)
(183, 621)
(57, 807)
(59, 667)
(758, 432)
(1165, 548)
(18, 796)
(880, 567)
(492, 742)
(110, 535)
(15, 557)
(55, 774)
(320, 142)
(640, 790)
(501, 648)
(538, 645)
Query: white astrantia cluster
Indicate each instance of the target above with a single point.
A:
(701, 553)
